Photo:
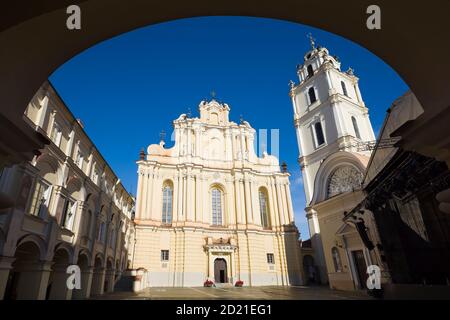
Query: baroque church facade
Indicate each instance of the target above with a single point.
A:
(209, 208)
(333, 133)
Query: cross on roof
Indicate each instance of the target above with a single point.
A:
(312, 40)
(213, 94)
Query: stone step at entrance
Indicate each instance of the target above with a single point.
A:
(223, 285)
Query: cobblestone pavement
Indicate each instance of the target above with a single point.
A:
(232, 293)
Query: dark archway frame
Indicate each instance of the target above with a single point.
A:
(34, 42)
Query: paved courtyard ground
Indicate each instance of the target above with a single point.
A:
(232, 293)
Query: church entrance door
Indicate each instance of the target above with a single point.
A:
(361, 267)
(220, 271)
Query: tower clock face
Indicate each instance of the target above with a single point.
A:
(344, 179)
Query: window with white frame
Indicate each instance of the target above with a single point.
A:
(68, 213)
(164, 255)
(56, 134)
(312, 95)
(319, 135)
(264, 209)
(216, 206)
(80, 159)
(356, 128)
(270, 258)
(101, 232)
(344, 88)
(95, 173)
(40, 198)
(310, 71)
(167, 205)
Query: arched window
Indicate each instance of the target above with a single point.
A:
(264, 209)
(216, 206)
(344, 88)
(336, 259)
(167, 204)
(310, 71)
(320, 138)
(355, 127)
(312, 95)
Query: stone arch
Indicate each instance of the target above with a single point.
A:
(27, 277)
(49, 168)
(329, 165)
(98, 261)
(38, 241)
(65, 247)
(98, 277)
(75, 188)
(83, 259)
(57, 282)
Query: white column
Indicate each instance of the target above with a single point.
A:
(197, 142)
(175, 198)
(337, 119)
(289, 202)
(198, 204)
(255, 204)
(189, 140)
(242, 142)
(237, 200)
(139, 195)
(272, 205)
(180, 196)
(248, 200)
(284, 202)
(185, 195)
(69, 148)
(230, 207)
(280, 203)
(146, 183)
(43, 112)
(205, 201)
(329, 83)
(298, 132)
(152, 193)
(242, 201)
(190, 201)
(90, 163)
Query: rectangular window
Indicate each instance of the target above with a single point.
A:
(39, 198)
(320, 138)
(80, 160)
(56, 134)
(164, 255)
(216, 207)
(67, 214)
(270, 258)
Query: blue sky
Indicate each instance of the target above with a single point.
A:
(129, 88)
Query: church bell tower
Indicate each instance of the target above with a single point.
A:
(329, 117)
(329, 112)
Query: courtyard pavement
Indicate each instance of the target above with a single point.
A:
(232, 293)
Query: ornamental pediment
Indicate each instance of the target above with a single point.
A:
(220, 245)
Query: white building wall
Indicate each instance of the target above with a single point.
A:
(225, 159)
